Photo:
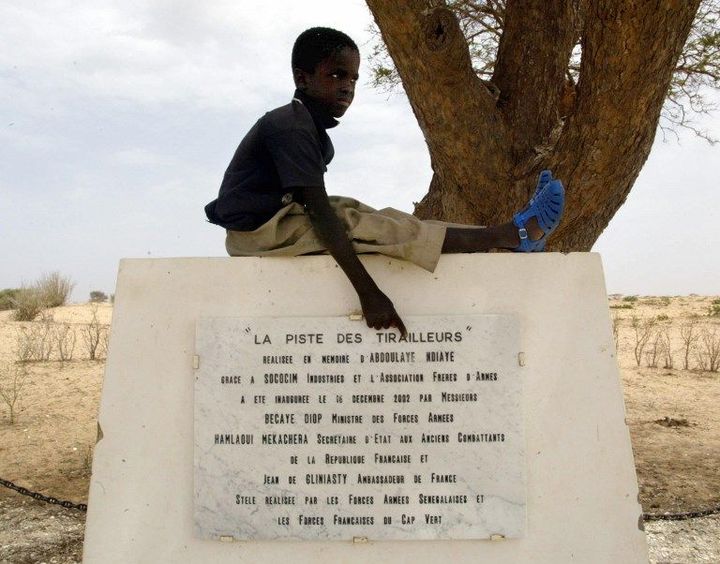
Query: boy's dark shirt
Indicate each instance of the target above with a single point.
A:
(287, 148)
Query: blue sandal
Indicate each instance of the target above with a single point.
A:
(547, 207)
(544, 177)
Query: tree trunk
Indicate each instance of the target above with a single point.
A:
(486, 151)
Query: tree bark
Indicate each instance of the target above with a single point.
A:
(533, 54)
(455, 110)
(485, 152)
(629, 52)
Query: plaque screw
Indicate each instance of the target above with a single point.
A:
(521, 358)
(497, 537)
(227, 538)
(196, 361)
(360, 540)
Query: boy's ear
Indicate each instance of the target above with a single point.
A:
(300, 77)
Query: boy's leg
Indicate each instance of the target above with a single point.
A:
(473, 240)
(401, 235)
(389, 232)
(528, 230)
(288, 233)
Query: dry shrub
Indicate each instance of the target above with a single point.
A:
(709, 353)
(689, 336)
(616, 332)
(655, 350)
(45, 340)
(54, 288)
(666, 347)
(64, 338)
(28, 304)
(662, 301)
(7, 297)
(643, 330)
(50, 290)
(12, 382)
(34, 342)
(95, 336)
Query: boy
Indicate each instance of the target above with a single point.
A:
(273, 202)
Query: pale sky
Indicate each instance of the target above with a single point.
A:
(119, 119)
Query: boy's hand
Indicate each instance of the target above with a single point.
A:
(380, 313)
(378, 309)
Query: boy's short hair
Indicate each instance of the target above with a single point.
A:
(317, 44)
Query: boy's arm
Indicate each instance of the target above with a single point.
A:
(378, 309)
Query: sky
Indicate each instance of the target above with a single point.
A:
(120, 117)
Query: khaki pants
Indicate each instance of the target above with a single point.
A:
(387, 231)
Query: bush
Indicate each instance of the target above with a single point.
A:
(654, 350)
(50, 290)
(667, 352)
(64, 338)
(709, 353)
(662, 301)
(97, 297)
(644, 331)
(12, 382)
(630, 298)
(714, 310)
(621, 306)
(7, 297)
(54, 289)
(689, 336)
(616, 331)
(34, 342)
(96, 336)
(28, 304)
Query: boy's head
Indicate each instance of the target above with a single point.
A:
(325, 66)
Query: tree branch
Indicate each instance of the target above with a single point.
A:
(535, 47)
(454, 109)
(625, 74)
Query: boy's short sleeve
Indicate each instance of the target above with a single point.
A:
(298, 158)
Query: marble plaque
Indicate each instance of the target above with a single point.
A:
(319, 428)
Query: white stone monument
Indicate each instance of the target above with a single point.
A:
(356, 433)
(248, 415)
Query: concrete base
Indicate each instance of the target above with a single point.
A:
(581, 486)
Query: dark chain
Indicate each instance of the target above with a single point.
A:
(680, 516)
(41, 497)
(83, 506)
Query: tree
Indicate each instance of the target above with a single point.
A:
(12, 381)
(98, 297)
(576, 86)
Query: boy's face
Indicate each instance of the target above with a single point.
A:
(332, 84)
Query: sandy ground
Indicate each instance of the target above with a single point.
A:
(673, 415)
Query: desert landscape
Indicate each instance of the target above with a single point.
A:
(51, 372)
